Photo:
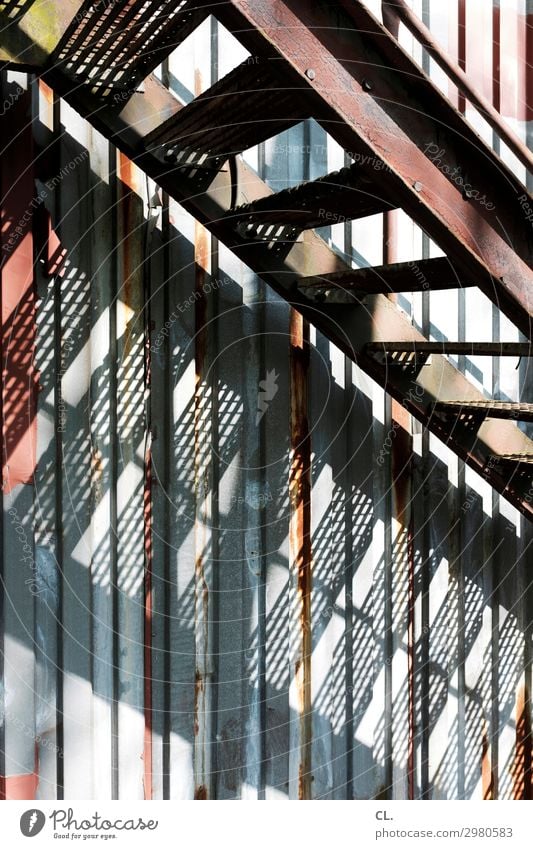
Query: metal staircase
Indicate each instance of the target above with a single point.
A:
(336, 63)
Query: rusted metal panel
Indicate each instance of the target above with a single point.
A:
(173, 497)
(204, 486)
(331, 591)
(275, 517)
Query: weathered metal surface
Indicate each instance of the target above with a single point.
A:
(148, 615)
(375, 123)
(203, 488)
(131, 441)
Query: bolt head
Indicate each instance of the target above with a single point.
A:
(368, 85)
(418, 186)
(310, 73)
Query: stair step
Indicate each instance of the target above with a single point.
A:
(467, 349)
(252, 103)
(486, 409)
(513, 459)
(113, 46)
(337, 197)
(419, 276)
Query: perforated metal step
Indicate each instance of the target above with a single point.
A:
(341, 196)
(114, 44)
(484, 409)
(256, 101)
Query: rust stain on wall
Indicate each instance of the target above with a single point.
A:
(198, 690)
(200, 793)
(486, 766)
(131, 216)
(300, 537)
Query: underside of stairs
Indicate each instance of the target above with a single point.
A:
(335, 63)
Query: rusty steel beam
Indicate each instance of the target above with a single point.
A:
(210, 198)
(374, 99)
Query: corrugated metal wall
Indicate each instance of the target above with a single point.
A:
(202, 457)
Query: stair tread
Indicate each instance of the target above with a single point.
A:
(519, 349)
(253, 102)
(512, 458)
(494, 409)
(416, 276)
(114, 46)
(337, 197)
